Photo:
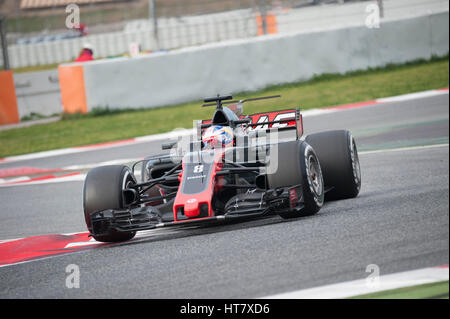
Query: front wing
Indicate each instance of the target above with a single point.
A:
(148, 217)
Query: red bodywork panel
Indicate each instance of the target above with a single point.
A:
(191, 202)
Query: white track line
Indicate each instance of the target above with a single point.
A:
(402, 149)
(412, 96)
(367, 286)
(92, 165)
(8, 240)
(62, 179)
(315, 112)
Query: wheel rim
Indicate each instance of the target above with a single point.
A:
(126, 182)
(315, 175)
(355, 162)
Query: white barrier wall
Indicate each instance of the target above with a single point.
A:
(38, 92)
(245, 65)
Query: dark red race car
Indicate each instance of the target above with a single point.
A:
(234, 166)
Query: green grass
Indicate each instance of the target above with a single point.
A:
(36, 68)
(105, 125)
(437, 290)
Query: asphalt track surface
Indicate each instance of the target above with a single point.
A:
(399, 222)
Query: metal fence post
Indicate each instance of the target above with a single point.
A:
(4, 43)
(263, 9)
(381, 7)
(152, 15)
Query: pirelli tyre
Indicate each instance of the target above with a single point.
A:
(102, 190)
(297, 164)
(339, 160)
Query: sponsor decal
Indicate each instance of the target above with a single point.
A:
(196, 177)
(293, 198)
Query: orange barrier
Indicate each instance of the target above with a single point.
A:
(9, 114)
(73, 93)
(271, 21)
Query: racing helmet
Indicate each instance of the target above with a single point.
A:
(217, 136)
(88, 46)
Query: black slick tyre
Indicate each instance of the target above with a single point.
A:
(298, 164)
(102, 190)
(339, 160)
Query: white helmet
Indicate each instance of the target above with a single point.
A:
(88, 46)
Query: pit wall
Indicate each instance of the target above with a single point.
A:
(246, 65)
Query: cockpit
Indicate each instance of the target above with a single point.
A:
(225, 117)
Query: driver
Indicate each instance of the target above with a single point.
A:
(217, 136)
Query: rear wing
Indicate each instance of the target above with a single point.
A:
(281, 120)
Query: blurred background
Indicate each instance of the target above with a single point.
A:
(35, 36)
(36, 32)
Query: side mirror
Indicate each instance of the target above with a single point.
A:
(168, 146)
(237, 108)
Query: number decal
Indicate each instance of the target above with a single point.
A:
(198, 169)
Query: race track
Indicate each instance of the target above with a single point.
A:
(399, 222)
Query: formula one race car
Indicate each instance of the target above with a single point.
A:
(233, 166)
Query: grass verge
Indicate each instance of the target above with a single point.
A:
(436, 290)
(37, 68)
(105, 125)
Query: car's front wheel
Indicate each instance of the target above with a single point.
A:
(103, 189)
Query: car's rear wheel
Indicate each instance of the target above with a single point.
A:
(298, 164)
(103, 189)
(339, 159)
